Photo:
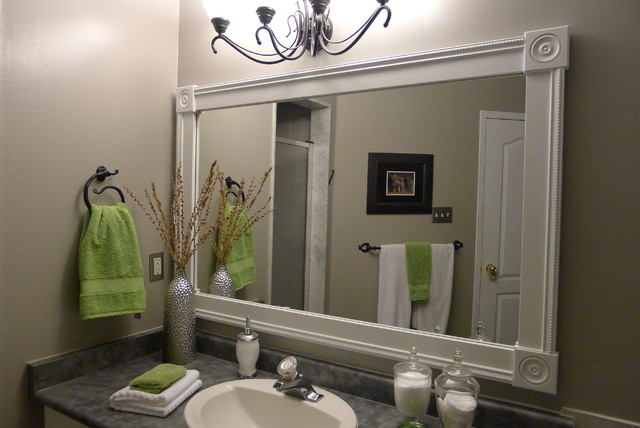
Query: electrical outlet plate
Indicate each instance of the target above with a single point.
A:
(442, 215)
(156, 266)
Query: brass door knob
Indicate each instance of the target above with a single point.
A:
(492, 271)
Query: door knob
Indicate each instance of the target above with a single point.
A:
(492, 271)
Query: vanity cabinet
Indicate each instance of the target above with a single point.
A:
(55, 419)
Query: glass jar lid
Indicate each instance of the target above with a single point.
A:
(457, 370)
(412, 368)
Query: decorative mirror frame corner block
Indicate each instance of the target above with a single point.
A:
(542, 56)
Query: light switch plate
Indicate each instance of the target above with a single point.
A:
(442, 215)
(156, 266)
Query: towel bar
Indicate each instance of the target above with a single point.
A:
(366, 247)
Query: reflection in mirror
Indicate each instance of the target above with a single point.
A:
(336, 134)
(247, 135)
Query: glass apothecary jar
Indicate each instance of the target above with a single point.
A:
(412, 389)
(456, 394)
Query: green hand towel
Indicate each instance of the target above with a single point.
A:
(109, 264)
(158, 378)
(240, 262)
(418, 256)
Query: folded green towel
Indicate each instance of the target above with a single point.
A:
(418, 256)
(240, 262)
(158, 378)
(109, 264)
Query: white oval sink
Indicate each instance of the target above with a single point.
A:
(254, 403)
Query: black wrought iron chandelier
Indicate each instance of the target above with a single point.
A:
(311, 27)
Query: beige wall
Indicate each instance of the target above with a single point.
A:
(599, 258)
(83, 84)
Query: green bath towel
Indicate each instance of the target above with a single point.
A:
(418, 256)
(240, 263)
(158, 378)
(109, 264)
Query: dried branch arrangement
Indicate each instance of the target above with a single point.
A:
(235, 218)
(182, 238)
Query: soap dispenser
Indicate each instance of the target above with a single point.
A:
(456, 394)
(247, 351)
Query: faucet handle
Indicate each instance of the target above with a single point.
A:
(288, 369)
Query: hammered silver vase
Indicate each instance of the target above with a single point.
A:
(179, 335)
(221, 283)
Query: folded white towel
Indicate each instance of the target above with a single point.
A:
(148, 409)
(394, 304)
(427, 314)
(128, 395)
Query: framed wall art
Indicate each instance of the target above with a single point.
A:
(399, 183)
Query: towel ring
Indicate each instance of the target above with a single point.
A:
(231, 182)
(97, 192)
(101, 174)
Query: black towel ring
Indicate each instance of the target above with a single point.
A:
(101, 174)
(231, 182)
(97, 192)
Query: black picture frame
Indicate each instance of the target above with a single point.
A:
(400, 183)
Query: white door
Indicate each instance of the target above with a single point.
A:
(499, 231)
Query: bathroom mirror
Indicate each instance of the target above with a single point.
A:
(441, 119)
(542, 57)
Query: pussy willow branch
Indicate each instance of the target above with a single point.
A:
(181, 239)
(232, 227)
(198, 221)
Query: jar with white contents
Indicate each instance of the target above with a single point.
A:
(412, 389)
(456, 394)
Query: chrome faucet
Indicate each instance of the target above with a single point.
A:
(292, 383)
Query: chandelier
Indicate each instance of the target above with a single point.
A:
(311, 29)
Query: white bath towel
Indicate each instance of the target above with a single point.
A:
(129, 400)
(426, 315)
(394, 304)
(160, 411)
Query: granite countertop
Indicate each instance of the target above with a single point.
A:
(86, 398)
(79, 384)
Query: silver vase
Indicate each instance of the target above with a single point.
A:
(221, 283)
(179, 335)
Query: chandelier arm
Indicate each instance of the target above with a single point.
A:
(358, 33)
(331, 42)
(245, 52)
(299, 41)
(238, 47)
(315, 26)
(293, 16)
(289, 54)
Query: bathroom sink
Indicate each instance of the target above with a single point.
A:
(254, 403)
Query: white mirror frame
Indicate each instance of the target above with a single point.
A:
(543, 56)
